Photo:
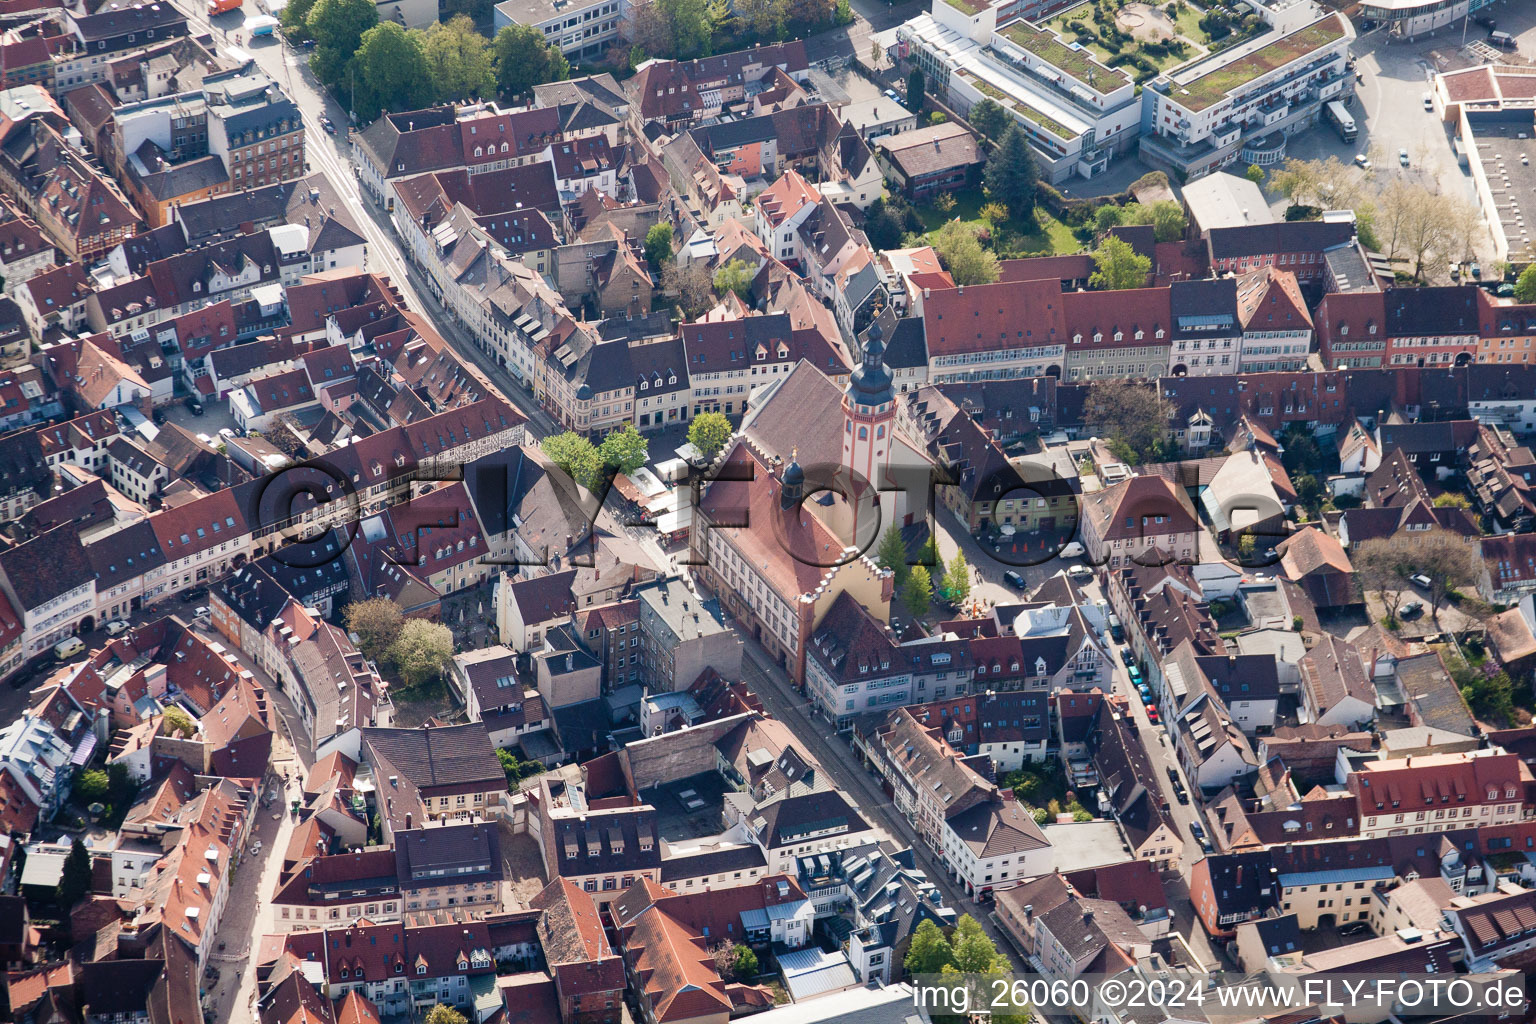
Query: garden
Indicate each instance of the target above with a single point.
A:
(1148, 39)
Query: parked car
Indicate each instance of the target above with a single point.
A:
(1146, 693)
(1071, 549)
(1134, 671)
(1410, 609)
(1196, 829)
(1116, 629)
(1205, 846)
(1173, 776)
(327, 124)
(1402, 157)
(1014, 580)
(1429, 102)
(1181, 795)
(117, 627)
(1152, 714)
(1361, 162)
(194, 405)
(1418, 579)
(66, 649)
(192, 595)
(1127, 657)
(1080, 573)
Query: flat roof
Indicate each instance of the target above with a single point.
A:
(1202, 86)
(1223, 200)
(1052, 113)
(1511, 180)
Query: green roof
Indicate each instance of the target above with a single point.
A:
(1076, 64)
(1211, 88)
(1028, 112)
(969, 6)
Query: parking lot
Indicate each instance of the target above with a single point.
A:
(1389, 108)
(215, 417)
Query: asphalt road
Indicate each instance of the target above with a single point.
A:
(773, 686)
(330, 155)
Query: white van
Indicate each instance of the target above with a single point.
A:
(66, 649)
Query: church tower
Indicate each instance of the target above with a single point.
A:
(869, 416)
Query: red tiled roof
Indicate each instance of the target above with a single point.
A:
(1008, 314)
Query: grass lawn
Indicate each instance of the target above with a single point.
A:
(1047, 233)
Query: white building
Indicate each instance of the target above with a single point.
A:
(1242, 102)
(1076, 112)
(580, 29)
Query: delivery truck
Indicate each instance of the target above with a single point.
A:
(216, 7)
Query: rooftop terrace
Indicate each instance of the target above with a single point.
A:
(1077, 64)
(1210, 88)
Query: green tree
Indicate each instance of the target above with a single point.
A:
(391, 72)
(957, 579)
(522, 58)
(1525, 284)
(176, 722)
(963, 256)
(928, 952)
(1119, 265)
(516, 769)
(917, 592)
(75, 883)
(709, 433)
(1012, 177)
(577, 456)
(764, 19)
(916, 85)
(1107, 216)
(376, 623)
(91, 786)
(1450, 499)
(736, 276)
(658, 244)
(624, 449)
(974, 952)
(295, 19)
(691, 25)
(442, 1013)
(337, 27)
(1255, 174)
(1166, 217)
(121, 785)
(458, 60)
(744, 962)
(892, 553)
(842, 13)
(989, 118)
(421, 650)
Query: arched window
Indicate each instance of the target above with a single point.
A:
(879, 432)
(849, 426)
(863, 433)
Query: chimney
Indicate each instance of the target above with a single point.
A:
(1029, 911)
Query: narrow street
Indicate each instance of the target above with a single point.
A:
(836, 755)
(247, 916)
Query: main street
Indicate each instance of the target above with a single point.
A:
(328, 154)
